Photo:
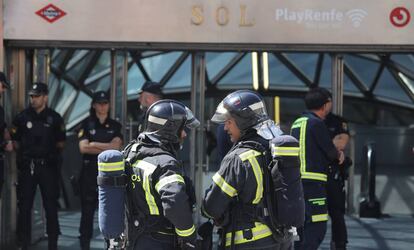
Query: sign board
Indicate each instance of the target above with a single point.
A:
(351, 22)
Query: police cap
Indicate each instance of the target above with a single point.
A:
(151, 87)
(39, 88)
(100, 97)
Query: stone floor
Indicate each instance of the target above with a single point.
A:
(395, 232)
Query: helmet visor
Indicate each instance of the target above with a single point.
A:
(268, 129)
(221, 114)
(191, 122)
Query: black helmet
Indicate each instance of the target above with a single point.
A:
(245, 106)
(167, 118)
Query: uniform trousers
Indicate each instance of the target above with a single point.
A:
(89, 199)
(2, 180)
(336, 210)
(313, 232)
(47, 177)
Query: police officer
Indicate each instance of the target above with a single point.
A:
(5, 142)
(149, 93)
(236, 195)
(317, 152)
(97, 134)
(39, 135)
(161, 200)
(337, 174)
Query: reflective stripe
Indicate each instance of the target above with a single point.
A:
(167, 180)
(251, 157)
(302, 154)
(314, 176)
(185, 233)
(319, 217)
(285, 151)
(318, 201)
(157, 120)
(111, 166)
(225, 187)
(298, 122)
(260, 231)
(148, 169)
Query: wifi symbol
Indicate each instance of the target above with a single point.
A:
(356, 16)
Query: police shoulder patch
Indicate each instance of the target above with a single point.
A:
(80, 133)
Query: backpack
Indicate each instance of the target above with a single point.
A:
(283, 186)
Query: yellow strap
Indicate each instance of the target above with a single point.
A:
(314, 176)
(319, 217)
(285, 151)
(251, 157)
(224, 186)
(186, 232)
(111, 166)
(148, 169)
(260, 231)
(167, 180)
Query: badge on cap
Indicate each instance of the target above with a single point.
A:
(35, 86)
(29, 125)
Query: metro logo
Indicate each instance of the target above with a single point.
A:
(50, 13)
(400, 17)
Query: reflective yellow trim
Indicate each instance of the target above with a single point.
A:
(225, 187)
(111, 166)
(302, 145)
(319, 217)
(285, 151)
(318, 201)
(298, 122)
(251, 157)
(314, 176)
(148, 169)
(249, 154)
(185, 233)
(260, 231)
(167, 180)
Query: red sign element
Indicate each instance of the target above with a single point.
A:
(400, 17)
(50, 13)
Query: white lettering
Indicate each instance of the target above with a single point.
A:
(308, 15)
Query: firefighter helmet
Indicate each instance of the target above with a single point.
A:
(167, 118)
(245, 106)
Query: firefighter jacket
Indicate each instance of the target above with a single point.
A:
(158, 190)
(317, 150)
(237, 192)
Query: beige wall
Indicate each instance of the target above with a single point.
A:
(213, 21)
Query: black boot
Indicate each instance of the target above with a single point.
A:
(52, 243)
(338, 245)
(85, 243)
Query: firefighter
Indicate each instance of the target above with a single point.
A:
(235, 199)
(316, 153)
(337, 175)
(160, 196)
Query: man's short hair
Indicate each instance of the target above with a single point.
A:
(317, 97)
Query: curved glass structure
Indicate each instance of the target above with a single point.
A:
(378, 89)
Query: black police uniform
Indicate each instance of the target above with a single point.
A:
(93, 131)
(336, 186)
(316, 153)
(38, 161)
(236, 195)
(3, 127)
